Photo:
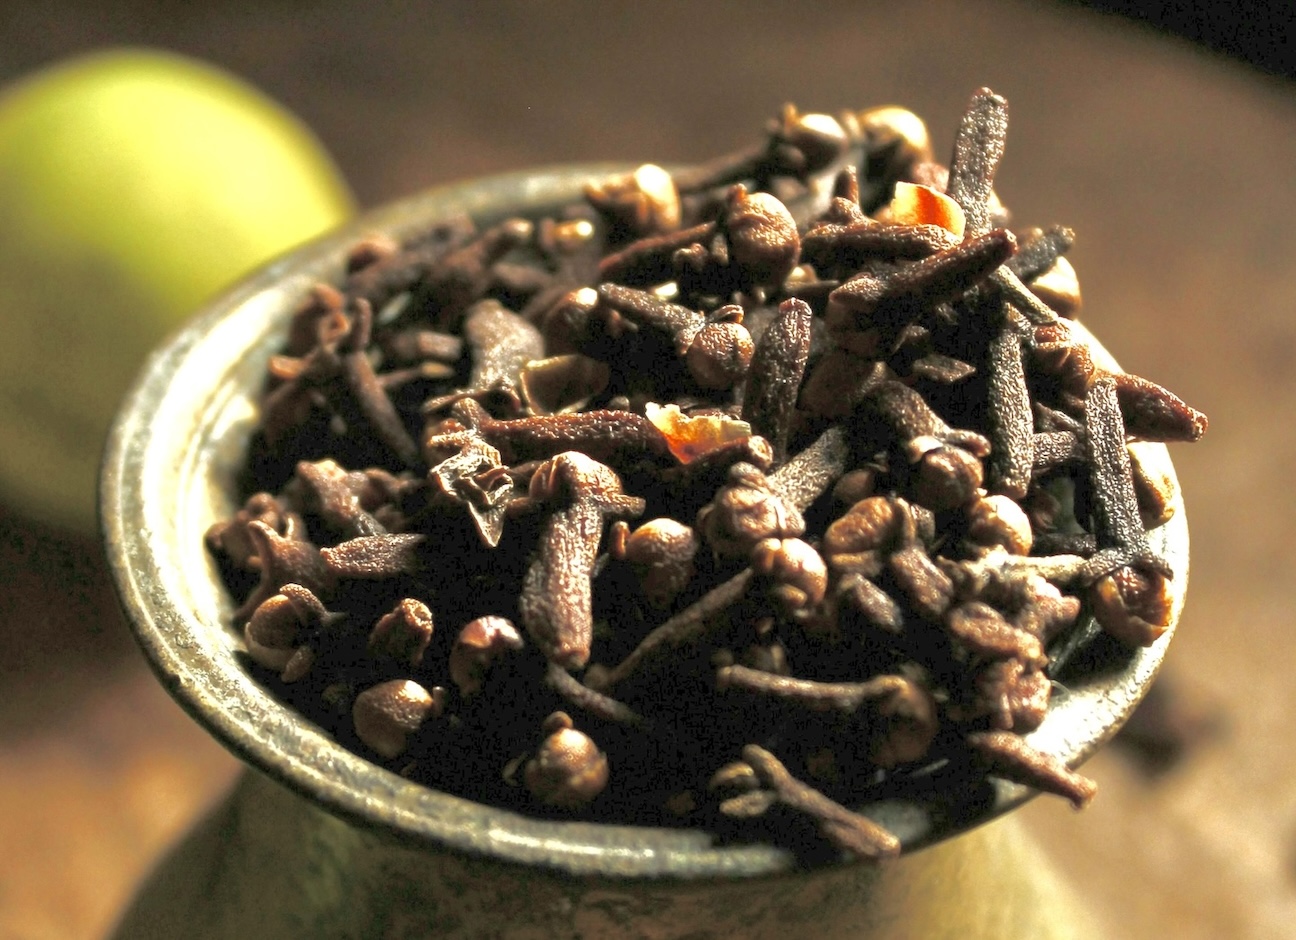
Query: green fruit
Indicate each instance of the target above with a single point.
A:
(134, 185)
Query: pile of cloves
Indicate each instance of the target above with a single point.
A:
(731, 496)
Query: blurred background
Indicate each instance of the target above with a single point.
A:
(1171, 161)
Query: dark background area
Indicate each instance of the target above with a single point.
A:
(1170, 161)
(1259, 32)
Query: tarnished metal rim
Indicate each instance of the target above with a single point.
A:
(169, 471)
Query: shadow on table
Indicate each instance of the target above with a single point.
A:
(62, 636)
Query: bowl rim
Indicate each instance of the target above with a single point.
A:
(163, 446)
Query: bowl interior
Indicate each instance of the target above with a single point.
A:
(170, 471)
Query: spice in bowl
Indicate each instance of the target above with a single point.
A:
(735, 496)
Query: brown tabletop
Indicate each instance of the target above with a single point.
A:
(1173, 168)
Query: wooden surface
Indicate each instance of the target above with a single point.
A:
(1173, 168)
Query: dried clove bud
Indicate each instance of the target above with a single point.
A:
(897, 133)
(818, 139)
(872, 529)
(481, 643)
(502, 343)
(856, 592)
(555, 600)
(1153, 413)
(276, 627)
(652, 260)
(921, 581)
(849, 831)
(661, 551)
(403, 634)
(746, 510)
(684, 630)
(905, 723)
(999, 522)
(232, 538)
(843, 697)
(978, 147)
(375, 557)
(947, 465)
(716, 348)
(1009, 420)
(774, 378)
(985, 633)
(330, 491)
(797, 575)
(1133, 605)
(645, 200)
(763, 240)
(888, 299)
(568, 769)
(812, 471)
(611, 435)
(284, 561)
(457, 279)
(1010, 757)
(387, 714)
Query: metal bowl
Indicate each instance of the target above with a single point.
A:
(170, 471)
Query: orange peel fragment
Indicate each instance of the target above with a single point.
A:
(692, 436)
(916, 204)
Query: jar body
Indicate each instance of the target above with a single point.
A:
(271, 864)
